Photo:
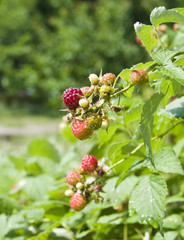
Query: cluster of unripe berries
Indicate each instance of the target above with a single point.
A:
(87, 106)
(80, 189)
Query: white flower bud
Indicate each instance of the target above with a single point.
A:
(69, 193)
(83, 103)
(105, 124)
(79, 185)
(93, 78)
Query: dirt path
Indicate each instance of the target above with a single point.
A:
(31, 129)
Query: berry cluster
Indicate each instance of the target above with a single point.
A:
(88, 106)
(81, 188)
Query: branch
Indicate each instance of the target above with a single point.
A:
(121, 91)
(142, 144)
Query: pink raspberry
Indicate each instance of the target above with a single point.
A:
(89, 163)
(80, 130)
(108, 78)
(139, 77)
(77, 202)
(72, 178)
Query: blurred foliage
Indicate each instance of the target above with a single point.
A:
(47, 46)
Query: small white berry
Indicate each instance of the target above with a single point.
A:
(93, 78)
(105, 124)
(83, 103)
(79, 185)
(69, 193)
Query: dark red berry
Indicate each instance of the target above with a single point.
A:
(98, 188)
(71, 97)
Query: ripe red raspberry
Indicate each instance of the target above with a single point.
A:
(71, 97)
(72, 178)
(89, 163)
(139, 77)
(108, 78)
(77, 202)
(80, 130)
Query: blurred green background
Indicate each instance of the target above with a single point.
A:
(48, 46)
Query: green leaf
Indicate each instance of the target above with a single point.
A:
(165, 160)
(172, 235)
(43, 148)
(115, 149)
(115, 218)
(36, 187)
(146, 123)
(180, 10)
(44, 235)
(162, 15)
(7, 204)
(125, 74)
(3, 224)
(163, 56)
(176, 107)
(104, 137)
(178, 147)
(148, 199)
(66, 132)
(145, 33)
(34, 214)
(173, 71)
(174, 221)
(18, 162)
(133, 114)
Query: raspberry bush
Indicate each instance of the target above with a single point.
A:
(125, 131)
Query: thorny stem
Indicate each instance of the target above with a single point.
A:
(121, 91)
(142, 144)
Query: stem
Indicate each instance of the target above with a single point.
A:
(121, 91)
(125, 232)
(159, 38)
(116, 81)
(142, 144)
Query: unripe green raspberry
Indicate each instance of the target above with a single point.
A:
(87, 91)
(79, 186)
(105, 92)
(93, 78)
(79, 169)
(83, 103)
(139, 77)
(69, 193)
(94, 121)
